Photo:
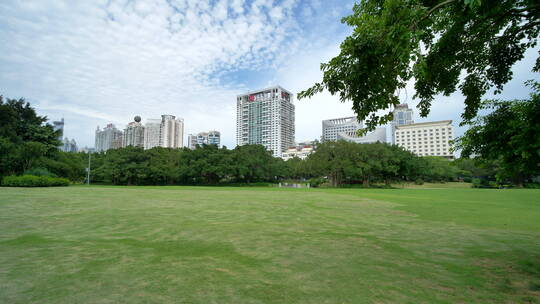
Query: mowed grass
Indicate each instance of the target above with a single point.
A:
(268, 245)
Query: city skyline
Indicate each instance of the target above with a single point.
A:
(89, 62)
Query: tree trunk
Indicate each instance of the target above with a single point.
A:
(519, 180)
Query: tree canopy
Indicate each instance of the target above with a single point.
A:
(24, 136)
(510, 135)
(470, 45)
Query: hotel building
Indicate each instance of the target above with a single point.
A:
(426, 138)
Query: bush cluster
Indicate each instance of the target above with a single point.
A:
(34, 181)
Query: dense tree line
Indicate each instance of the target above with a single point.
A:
(28, 145)
(205, 165)
(335, 162)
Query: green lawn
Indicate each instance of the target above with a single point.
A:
(269, 245)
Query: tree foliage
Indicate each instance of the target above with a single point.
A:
(24, 137)
(345, 162)
(442, 45)
(509, 135)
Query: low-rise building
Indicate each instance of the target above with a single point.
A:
(378, 135)
(331, 128)
(426, 138)
(300, 150)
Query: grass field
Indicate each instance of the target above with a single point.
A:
(268, 245)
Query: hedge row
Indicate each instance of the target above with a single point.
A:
(34, 181)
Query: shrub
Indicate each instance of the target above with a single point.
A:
(419, 181)
(39, 172)
(476, 183)
(316, 182)
(492, 184)
(484, 183)
(467, 179)
(34, 181)
(532, 185)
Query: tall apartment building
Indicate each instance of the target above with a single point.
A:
(204, 138)
(426, 138)
(59, 126)
(331, 128)
(134, 134)
(171, 132)
(167, 132)
(69, 145)
(266, 117)
(108, 138)
(152, 129)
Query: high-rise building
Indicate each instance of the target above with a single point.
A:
(69, 145)
(171, 132)
(192, 141)
(402, 116)
(426, 138)
(108, 138)
(59, 126)
(266, 117)
(134, 134)
(204, 138)
(152, 129)
(167, 132)
(331, 128)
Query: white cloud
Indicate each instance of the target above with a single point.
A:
(95, 62)
(112, 60)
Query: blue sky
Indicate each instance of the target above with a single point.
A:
(95, 62)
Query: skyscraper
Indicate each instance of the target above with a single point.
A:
(266, 117)
(204, 138)
(134, 134)
(107, 138)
